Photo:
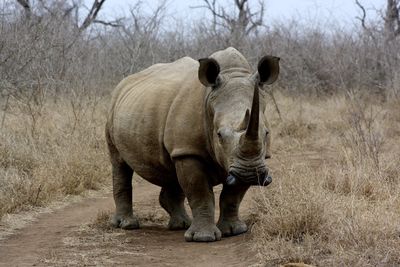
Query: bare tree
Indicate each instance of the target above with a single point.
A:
(27, 7)
(392, 19)
(240, 23)
(139, 36)
(92, 15)
(65, 8)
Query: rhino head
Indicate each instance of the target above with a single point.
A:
(237, 129)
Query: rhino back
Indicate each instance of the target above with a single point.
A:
(148, 114)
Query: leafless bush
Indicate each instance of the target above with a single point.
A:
(51, 53)
(137, 44)
(365, 135)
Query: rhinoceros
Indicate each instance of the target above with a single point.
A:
(187, 126)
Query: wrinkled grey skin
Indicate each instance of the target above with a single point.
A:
(188, 126)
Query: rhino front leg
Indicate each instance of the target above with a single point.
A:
(172, 200)
(229, 203)
(193, 180)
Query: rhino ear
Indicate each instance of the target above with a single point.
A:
(268, 70)
(208, 71)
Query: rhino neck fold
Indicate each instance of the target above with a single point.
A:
(208, 125)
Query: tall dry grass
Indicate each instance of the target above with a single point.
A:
(60, 152)
(335, 198)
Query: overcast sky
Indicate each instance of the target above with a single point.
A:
(343, 11)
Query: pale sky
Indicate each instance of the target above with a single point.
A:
(343, 11)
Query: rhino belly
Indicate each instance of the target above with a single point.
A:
(138, 133)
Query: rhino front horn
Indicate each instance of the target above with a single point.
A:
(252, 127)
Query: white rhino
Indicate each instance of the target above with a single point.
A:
(187, 126)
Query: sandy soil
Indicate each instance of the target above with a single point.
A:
(69, 236)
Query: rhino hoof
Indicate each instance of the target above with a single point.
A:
(179, 223)
(125, 222)
(230, 228)
(203, 235)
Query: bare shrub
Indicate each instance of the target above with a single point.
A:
(362, 141)
(51, 54)
(365, 135)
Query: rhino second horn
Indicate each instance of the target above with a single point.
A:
(245, 121)
(252, 127)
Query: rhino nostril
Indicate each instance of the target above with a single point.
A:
(231, 180)
(267, 180)
(262, 171)
(262, 175)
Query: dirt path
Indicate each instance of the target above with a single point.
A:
(70, 236)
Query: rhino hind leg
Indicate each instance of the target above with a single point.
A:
(172, 200)
(229, 203)
(122, 191)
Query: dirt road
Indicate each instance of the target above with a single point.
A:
(70, 236)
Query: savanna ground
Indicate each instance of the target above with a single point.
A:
(334, 200)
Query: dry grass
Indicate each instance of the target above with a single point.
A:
(335, 197)
(58, 154)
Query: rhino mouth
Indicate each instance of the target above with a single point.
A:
(254, 176)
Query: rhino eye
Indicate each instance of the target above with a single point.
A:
(223, 134)
(266, 132)
(219, 134)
